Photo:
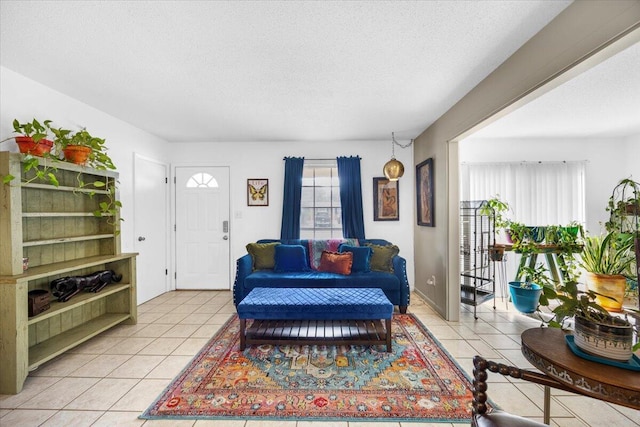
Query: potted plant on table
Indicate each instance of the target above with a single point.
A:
(596, 330)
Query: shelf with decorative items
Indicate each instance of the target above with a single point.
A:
(58, 232)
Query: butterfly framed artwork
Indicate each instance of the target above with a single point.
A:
(386, 202)
(257, 192)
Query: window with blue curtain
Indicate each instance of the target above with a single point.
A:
(322, 199)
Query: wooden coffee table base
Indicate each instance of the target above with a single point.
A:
(322, 332)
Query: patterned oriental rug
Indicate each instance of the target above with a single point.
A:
(419, 381)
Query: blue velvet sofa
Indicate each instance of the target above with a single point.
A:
(393, 283)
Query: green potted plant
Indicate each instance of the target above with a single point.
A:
(34, 144)
(528, 294)
(83, 148)
(607, 260)
(32, 137)
(521, 237)
(596, 331)
(496, 209)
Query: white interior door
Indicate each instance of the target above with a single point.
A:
(151, 229)
(202, 228)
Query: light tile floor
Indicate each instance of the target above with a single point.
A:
(114, 377)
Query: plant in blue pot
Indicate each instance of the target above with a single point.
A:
(527, 295)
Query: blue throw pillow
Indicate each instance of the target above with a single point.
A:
(291, 258)
(361, 257)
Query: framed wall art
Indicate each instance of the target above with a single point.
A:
(257, 192)
(386, 202)
(424, 193)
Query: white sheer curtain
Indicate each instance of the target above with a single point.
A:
(539, 193)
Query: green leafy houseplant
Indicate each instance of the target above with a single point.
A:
(36, 133)
(32, 129)
(609, 254)
(497, 208)
(98, 157)
(522, 238)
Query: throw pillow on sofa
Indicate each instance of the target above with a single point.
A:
(263, 255)
(334, 262)
(382, 257)
(291, 258)
(361, 257)
(331, 245)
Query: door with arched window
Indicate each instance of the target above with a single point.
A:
(202, 228)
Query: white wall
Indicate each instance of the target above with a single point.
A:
(608, 161)
(265, 160)
(24, 99)
(632, 151)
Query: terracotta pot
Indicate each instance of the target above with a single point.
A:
(26, 145)
(611, 286)
(612, 341)
(77, 154)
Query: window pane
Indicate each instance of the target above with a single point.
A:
(306, 197)
(323, 177)
(335, 196)
(323, 196)
(323, 218)
(336, 219)
(306, 218)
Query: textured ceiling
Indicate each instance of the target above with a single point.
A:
(604, 101)
(264, 71)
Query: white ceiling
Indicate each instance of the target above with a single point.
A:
(264, 71)
(604, 101)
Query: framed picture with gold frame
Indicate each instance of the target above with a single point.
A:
(386, 200)
(257, 192)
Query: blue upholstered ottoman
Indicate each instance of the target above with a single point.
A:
(315, 315)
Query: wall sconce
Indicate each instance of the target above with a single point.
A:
(394, 169)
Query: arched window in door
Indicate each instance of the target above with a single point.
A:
(202, 180)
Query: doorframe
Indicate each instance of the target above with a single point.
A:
(167, 200)
(172, 225)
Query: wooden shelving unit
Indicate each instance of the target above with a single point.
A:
(56, 229)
